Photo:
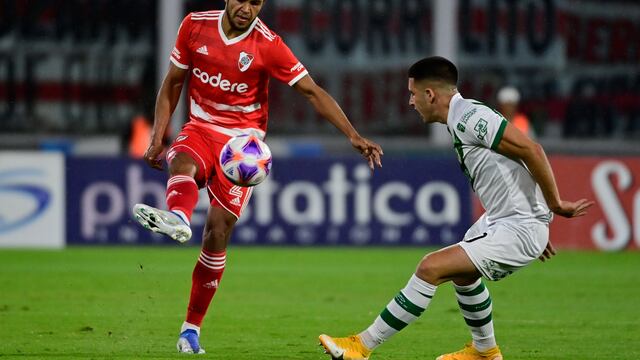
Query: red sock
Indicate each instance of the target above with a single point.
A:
(204, 283)
(182, 194)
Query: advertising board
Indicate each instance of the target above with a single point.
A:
(335, 201)
(32, 200)
(613, 223)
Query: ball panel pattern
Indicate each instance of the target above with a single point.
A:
(245, 160)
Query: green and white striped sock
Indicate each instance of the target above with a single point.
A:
(404, 309)
(475, 305)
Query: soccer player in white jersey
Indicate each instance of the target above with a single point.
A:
(512, 177)
(228, 57)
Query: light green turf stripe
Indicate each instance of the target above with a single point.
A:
(391, 320)
(476, 307)
(498, 138)
(406, 304)
(478, 323)
(477, 291)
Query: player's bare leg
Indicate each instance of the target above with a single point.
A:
(453, 263)
(434, 269)
(206, 275)
(447, 264)
(182, 196)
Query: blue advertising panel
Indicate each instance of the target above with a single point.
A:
(328, 201)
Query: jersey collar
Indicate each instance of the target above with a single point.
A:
(237, 39)
(454, 100)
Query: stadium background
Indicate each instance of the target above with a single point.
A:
(75, 74)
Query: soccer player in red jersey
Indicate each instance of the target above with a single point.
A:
(228, 56)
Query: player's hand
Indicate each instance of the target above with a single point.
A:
(570, 209)
(371, 151)
(152, 156)
(548, 252)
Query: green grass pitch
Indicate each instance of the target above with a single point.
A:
(128, 303)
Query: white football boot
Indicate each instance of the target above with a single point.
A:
(162, 221)
(189, 342)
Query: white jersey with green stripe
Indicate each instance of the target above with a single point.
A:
(505, 187)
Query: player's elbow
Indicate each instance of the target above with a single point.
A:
(532, 151)
(311, 93)
(309, 89)
(538, 150)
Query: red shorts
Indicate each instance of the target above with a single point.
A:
(203, 144)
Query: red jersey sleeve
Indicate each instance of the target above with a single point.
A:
(181, 55)
(283, 64)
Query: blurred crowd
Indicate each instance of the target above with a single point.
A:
(89, 67)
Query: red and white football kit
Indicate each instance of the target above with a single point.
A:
(228, 94)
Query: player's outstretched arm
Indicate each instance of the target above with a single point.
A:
(328, 108)
(166, 102)
(516, 145)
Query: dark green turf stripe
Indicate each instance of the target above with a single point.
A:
(391, 320)
(472, 292)
(407, 305)
(476, 307)
(478, 323)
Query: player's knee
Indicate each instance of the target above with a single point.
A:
(215, 234)
(183, 164)
(429, 271)
(215, 239)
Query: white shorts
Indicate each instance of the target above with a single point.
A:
(504, 247)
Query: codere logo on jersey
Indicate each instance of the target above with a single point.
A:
(217, 81)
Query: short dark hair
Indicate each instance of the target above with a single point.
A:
(435, 68)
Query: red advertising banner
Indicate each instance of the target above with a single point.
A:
(613, 223)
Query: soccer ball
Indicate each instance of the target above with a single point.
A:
(245, 160)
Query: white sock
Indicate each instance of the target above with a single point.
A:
(475, 305)
(404, 309)
(188, 326)
(182, 216)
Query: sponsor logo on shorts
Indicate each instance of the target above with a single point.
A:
(237, 192)
(494, 270)
(170, 155)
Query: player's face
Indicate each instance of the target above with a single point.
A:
(420, 101)
(241, 13)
